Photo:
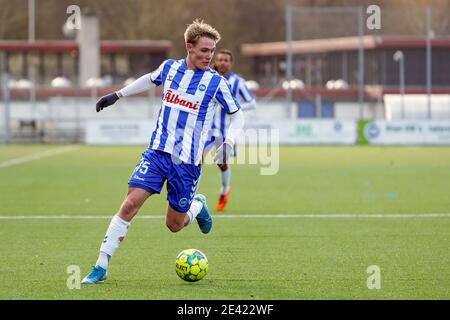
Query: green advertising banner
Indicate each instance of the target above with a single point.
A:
(361, 132)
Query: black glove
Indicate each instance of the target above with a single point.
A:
(106, 101)
(223, 153)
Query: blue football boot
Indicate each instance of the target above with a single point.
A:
(204, 219)
(97, 275)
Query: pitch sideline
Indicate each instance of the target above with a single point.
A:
(246, 216)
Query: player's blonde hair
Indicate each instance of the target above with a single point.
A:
(197, 29)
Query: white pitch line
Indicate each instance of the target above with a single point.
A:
(340, 216)
(248, 216)
(37, 156)
(80, 217)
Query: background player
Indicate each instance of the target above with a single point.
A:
(191, 93)
(223, 64)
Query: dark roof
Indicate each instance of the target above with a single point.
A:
(105, 46)
(339, 44)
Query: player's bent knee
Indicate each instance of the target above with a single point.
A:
(174, 226)
(174, 222)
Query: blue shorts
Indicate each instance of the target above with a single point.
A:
(155, 167)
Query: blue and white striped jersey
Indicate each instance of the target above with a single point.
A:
(189, 101)
(241, 93)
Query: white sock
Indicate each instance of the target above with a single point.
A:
(117, 231)
(225, 178)
(103, 260)
(194, 210)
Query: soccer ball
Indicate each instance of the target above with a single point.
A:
(191, 265)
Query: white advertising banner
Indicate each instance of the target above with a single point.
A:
(119, 132)
(302, 131)
(284, 132)
(407, 132)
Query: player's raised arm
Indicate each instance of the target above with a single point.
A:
(237, 121)
(248, 100)
(142, 84)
